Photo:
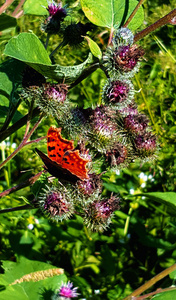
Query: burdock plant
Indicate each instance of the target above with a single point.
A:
(90, 138)
(109, 132)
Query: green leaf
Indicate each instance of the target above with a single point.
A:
(94, 48)
(7, 22)
(56, 72)
(27, 289)
(172, 275)
(169, 295)
(28, 48)
(107, 13)
(167, 198)
(33, 7)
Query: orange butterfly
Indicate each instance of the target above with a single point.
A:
(63, 161)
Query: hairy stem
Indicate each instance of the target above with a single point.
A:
(15, 12)
(133, 13)
(23, 207)
(6, 133)
(85, 73)
(163, 21)
(20, 186)
(23, 143)
(151, 282)
(6, 5)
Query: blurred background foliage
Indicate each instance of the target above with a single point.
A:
(141, 240)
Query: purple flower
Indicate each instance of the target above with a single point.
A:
(57, 10)
(117, 155)
(57, 92)
(145, 144)
(90, 186)
(57, 13)
(117, 91)
(56, 204)
(126, 57)
(101, 120)
(67, 291)
(135, 123)
(99, 213)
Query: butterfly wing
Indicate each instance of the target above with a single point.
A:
(56, 145)
(56, 169)
(73, 162)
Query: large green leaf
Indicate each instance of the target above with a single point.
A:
(27, 290)
(28, 48)
(170, 295)
(108, 13)
(33, 7)
(7, 22)
(167, 198)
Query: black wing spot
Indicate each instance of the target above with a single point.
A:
(51, 148)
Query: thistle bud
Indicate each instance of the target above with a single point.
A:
(126, 57)
(117, 155)
(73, 34)
(102, 122)
(57, 13)
(145, 144)
(135, 124)
(90, 186)
(57, 92)
(57, 205)
(118, 93)
(99, 213)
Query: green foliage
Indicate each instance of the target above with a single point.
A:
(118, 11)
(7, 22)
(140, 243)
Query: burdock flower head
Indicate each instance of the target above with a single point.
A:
(118, 93)
(52, 97)
(123, 36)
(117, 155)
(74, 33)
(135, 124)
(91, 186)
(125, 58)
(98, 214)
(56, 204)
(57, 92)
(145, 144)
(66, 292)
(102, 121)
(57, 13)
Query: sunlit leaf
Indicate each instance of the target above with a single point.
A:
(107, 13)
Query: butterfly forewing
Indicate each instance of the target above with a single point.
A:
(57, 146)
(75, 164)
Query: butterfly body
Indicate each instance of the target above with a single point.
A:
(63, 161)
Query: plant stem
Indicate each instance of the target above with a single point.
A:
(151, 282)
(4, 134)
(23, 207)
(86, 72)
(158, 291)
(5, 5)
(60, 45)
(15, 12)
(133, 13)
(23, 143)
(20, 186)
(163, 21)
